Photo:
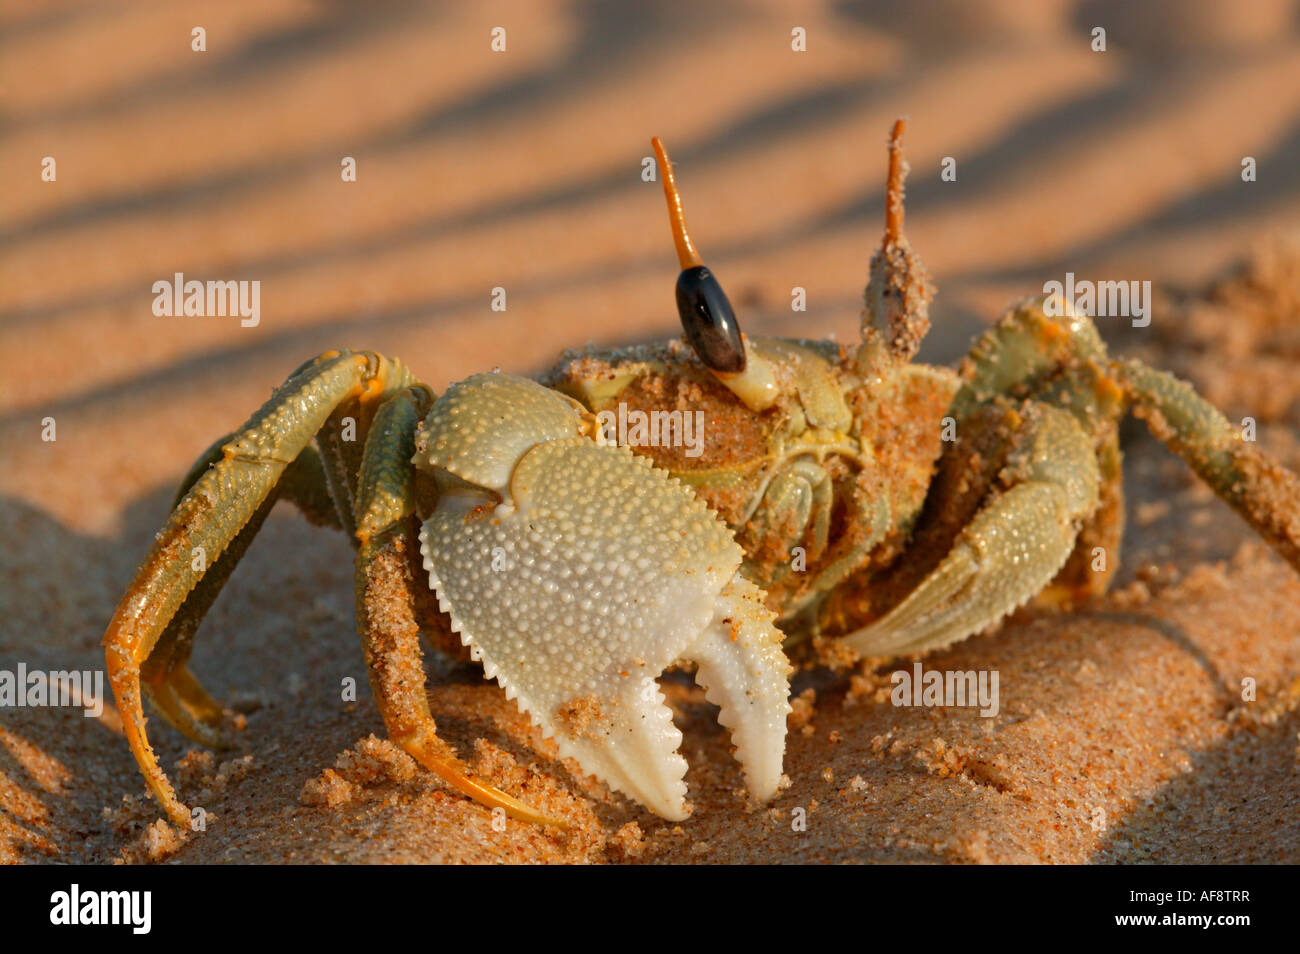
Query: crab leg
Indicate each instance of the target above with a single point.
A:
(164, 671)
(1012, 548)
(1062, 360)
(1028, 348)
(231, 495)
(1024, 346)
(386, 600)
(304, 486)
(177, 694)
(1264, 492)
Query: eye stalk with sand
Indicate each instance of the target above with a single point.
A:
(708, 320)
(899, 289)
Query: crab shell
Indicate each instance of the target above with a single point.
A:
(576, 572)
(832, 469)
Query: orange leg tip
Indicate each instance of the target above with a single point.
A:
(179, 817)
(492, 797)
(457, 775)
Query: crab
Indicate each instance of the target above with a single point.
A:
(837, 499)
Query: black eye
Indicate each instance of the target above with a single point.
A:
(707, 318)
(708, 321)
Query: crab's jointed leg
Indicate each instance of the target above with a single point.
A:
(225, 499)
(1015, 544)
(1062, 359)
(1264, 492)
(387, 594)
(223, 502)
(1059, 365)
(175, 691)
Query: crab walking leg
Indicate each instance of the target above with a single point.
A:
(223, 501)
(1060, 358)
(1026, 344)
(1103, 532)
(164, 671)
(385, 593)
(303, 483)
(1264, 492)
(1016, 543)
(194, 697)
(177, 693)
(341, 463)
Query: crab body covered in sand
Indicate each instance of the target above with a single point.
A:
(721, 501)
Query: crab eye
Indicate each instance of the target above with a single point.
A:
(702, 305)
(708, 321)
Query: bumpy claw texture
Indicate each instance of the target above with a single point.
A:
(594, 573)
(481, 426)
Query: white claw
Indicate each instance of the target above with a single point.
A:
(745, 673)
(593, 574)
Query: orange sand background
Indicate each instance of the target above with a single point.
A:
(1122, 734)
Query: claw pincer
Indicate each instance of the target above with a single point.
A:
(576, 573)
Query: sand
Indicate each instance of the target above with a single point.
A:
(1122, 736)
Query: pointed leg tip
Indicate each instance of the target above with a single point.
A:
(176, 812)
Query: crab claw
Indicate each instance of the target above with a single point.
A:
(576, 573)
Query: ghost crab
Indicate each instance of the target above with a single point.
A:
(880, 506)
